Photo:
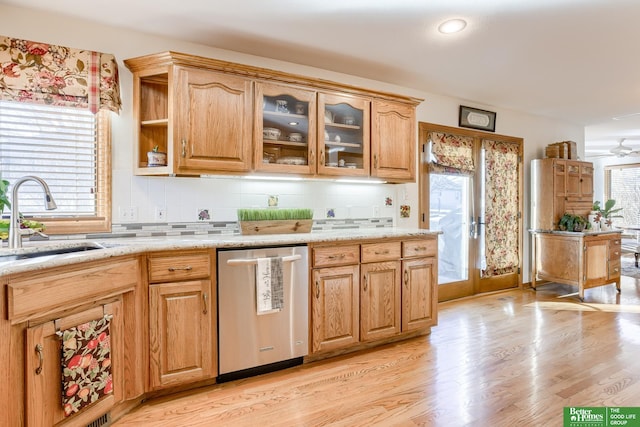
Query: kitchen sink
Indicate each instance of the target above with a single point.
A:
(48, 251)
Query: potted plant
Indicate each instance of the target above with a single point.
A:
(595, 216)
(608, 213)
(571, 222)
(156, 157)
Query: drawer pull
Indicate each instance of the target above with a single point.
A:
(184, 148)
(385, 252)
(420, 248)
(185, 268)
(339, 256)
(406, 278)
(365, 283)
(204, 300)
(40, 352)
(317, 290)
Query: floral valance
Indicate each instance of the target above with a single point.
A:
(453, 151)
(56, 75)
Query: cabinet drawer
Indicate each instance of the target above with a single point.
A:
(336, 255)
(420, 248)
(168, 268)
(374, 252)
(614, 268)
(614, 251)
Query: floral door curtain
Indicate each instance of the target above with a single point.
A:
(453, 153)
(56, 75)
(501, 207)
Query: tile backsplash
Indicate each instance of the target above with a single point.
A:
(218, 228)
(216, 199)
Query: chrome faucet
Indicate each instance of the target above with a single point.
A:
(15, 232)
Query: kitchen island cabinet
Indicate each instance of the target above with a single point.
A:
(585, 260)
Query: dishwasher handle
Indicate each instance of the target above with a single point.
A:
(250, 261)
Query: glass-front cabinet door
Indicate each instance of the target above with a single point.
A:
(285, 129)
(343, 135)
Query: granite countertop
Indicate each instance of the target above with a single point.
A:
(577, 233)
(125, 246)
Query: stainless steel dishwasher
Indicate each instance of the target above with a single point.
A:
(252, 343)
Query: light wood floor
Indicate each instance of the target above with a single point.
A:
(514, 358)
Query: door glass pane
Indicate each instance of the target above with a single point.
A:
(450, 213)
(285, 129)
(343, 136)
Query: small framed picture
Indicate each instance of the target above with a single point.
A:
(477, 119)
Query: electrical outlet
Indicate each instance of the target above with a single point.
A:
(124, 213)
(161, 213)
(133, 213)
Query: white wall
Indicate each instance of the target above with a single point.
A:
(183, 196)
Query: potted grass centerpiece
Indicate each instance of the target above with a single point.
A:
(275, 221)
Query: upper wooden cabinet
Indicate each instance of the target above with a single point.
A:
(212, 116)
(343, 135)
(212, 122)
(393, 141)
(285, 129)
(559, 186)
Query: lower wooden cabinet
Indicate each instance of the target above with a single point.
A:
(43, 372)
(380, 290)
(182, 328)
(392, 290)
(335, 312)
(419, 302)
(180, 333)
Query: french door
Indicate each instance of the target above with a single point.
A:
(471, 190)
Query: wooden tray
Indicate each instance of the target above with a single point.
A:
(285, 226)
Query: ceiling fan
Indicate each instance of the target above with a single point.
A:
(623, 150)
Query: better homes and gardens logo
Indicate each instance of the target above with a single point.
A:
(601, 417)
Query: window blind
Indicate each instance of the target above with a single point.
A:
(625, 189)
(57, 144)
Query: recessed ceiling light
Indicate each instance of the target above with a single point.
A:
(452, 26)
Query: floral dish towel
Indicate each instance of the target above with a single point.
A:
(86, 364)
